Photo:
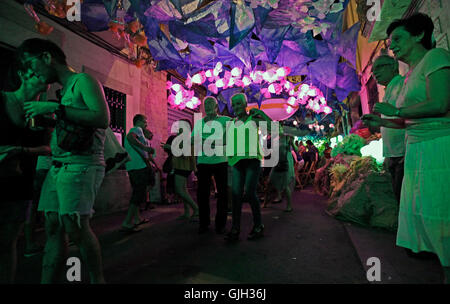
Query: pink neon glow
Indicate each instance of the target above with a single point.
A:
(331, 126)
(213, 88)
(322, 127)
(266, 93)
(289, 110)
(327, 110)
(238, 82)
(188, 82)
(271, 88)
(209, 73)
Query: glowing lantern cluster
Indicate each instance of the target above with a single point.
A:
(181, 98)
(271, 82)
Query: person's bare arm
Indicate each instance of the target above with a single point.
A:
(133, 140)
(87, 88)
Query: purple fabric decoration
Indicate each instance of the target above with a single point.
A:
(236, 33)
(272, 40)
(208, 25)
(261, 15)
(221, 105)
(324, 70)
(178, 30)
(179, 5)
(322, 48)
(281, 16)
(95, 16)
(304, 44)
(160, 47)
(243, 52)
(290, 58)
(335, 31)
(258, 50)
(226, 57)
(347, 44)
(347, 81)
(159, 14)
(199, 55)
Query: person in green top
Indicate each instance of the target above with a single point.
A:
(210, 129)
(245, 166)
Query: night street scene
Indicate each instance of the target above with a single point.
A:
(225, 150)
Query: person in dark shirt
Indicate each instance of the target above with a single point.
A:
(19, 147)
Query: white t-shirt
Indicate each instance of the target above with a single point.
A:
(393, 139)
(136, 161)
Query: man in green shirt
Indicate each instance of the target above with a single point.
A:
(211, 161)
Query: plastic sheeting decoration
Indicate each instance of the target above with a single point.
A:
(303, 35)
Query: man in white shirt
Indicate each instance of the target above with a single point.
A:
(385, 71)
(138, 171)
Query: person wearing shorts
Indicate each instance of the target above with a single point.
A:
(70, 188)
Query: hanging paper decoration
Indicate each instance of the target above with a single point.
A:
(242, 22)
(264, 3)
(95, 16)
(41, 26)
(56, 8)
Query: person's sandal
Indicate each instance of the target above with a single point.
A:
(256, 233)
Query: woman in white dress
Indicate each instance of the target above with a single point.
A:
(424, 216)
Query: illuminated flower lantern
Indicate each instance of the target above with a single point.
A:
(276, 108)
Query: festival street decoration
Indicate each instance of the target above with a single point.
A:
(231, 45)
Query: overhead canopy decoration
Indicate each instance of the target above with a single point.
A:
(192, 36)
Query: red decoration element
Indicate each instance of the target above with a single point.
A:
(139, 63)
(364, 133)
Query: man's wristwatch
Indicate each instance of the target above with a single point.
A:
(60, 111)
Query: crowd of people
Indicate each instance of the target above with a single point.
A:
(71, 134)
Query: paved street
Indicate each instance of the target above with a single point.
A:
(305, 246)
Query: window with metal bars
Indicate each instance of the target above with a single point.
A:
(117, 110)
